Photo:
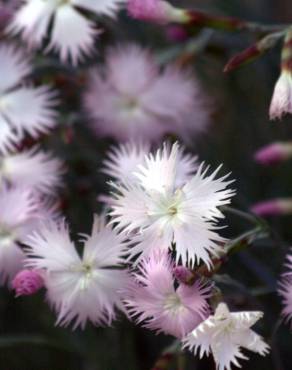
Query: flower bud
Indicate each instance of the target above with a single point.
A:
(184, 275)
(282, 97)
(274, 153)
(27, 282)
(273, 207)
(159, 11)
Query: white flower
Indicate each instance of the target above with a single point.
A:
(282, 98)
(162, 210)
(23, 108)
(72, 34)
(20, 213)
(32, 169)
(123, 162)
(224, 333)
(80, 288)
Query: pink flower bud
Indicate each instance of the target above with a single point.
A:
(159, 11)
(27, 282)
(273, 153)
(273, 207)
(176, 33)
(183, 275)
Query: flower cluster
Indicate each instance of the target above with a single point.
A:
(153, 251)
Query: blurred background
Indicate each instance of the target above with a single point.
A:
(239, 126)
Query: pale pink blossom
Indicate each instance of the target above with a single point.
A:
(20, 214)
(273, 207)
(27, 282)
(153, 299)
(160, 214)
(72, 34)
(159, 11)
(274, 153)
(223, 334)
(123, 162)
(282, 97)
(130, 98)
(23, 108)
(85, 287)
(34, 169)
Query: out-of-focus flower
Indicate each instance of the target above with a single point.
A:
(123, 160)
(20, 213)
(27, 282)
(80, 288)
(153, 299)
(72, 34)
(285, 289)
(23, 108)
(156, 10)
(123, 163)
(33, 169)
(282, 98)
(274, 153)
(273, 207)
(130, 99)
(223, 334)
(161, 213)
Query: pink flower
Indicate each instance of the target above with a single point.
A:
(274, 153)
(33, 169)
(130, 99)
(27, 282)
(285, 289)
(159, 11)
(24, 109)
(273, 207)
(153, 299)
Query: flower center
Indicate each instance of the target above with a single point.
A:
(6, 237)
(172, 303)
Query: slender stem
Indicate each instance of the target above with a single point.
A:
(244, 215)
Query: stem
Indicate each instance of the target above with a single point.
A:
(244, 215)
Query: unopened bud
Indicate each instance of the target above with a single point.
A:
(27, 282)
(273, 207)
(184, 275)
(159, 11)
(253, 52)
(274, 153)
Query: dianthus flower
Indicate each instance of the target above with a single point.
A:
(153, 299)
(20, 213)
(33, 169)
(23, 108)
(131, 99)
(223, 334)
(160, 213)
(72, 34)
(80, 288)
(123, 162)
